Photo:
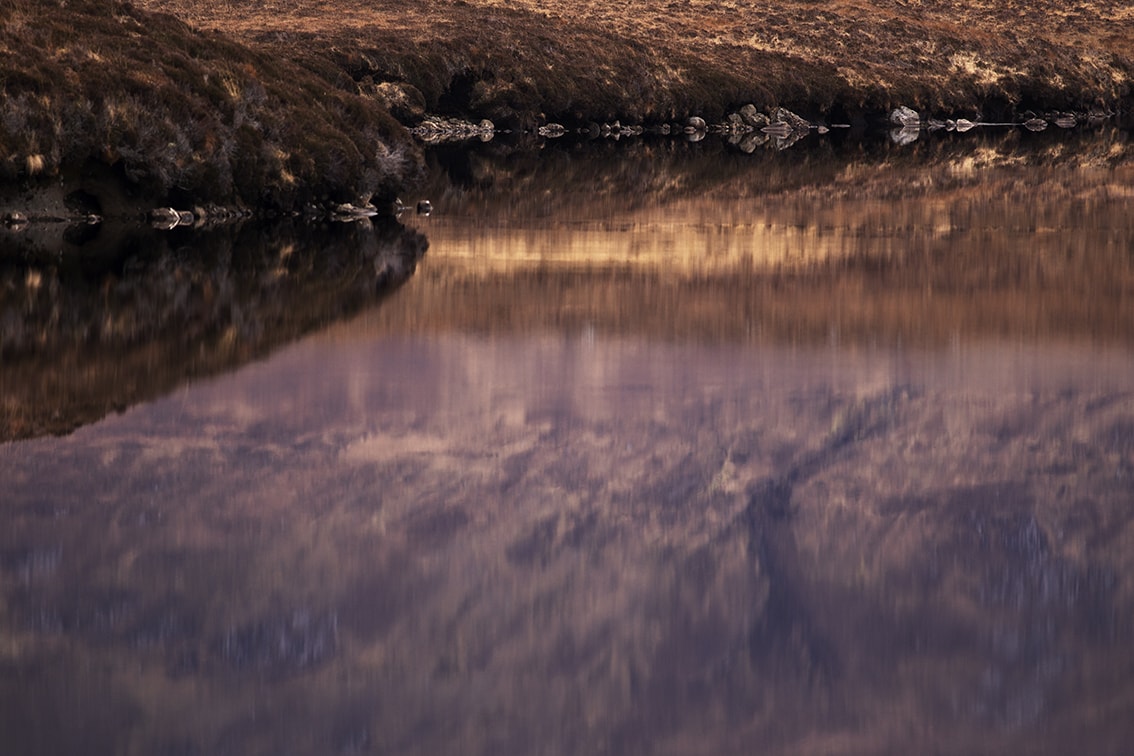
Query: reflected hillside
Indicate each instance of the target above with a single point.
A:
(124, 317)
(579, 179)
(1007, 234)
(538, 544)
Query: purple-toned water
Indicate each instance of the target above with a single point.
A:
(814, 453)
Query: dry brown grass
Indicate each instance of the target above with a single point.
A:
(178, 112)
(276, 104)
(583, 59)
(272, 101)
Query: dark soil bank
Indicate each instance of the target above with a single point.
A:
(282, 103)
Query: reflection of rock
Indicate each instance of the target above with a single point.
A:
(1065, 120)
(695, 124)
(349, 213)
(905, 135)
(166, 218)
(778, 130)
(750, 141)
(552, 130)
(15, 219)
(437, 130)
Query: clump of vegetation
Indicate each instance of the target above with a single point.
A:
(181, 113)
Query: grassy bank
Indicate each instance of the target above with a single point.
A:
(283, 102)
(183, 114)
(521, 61)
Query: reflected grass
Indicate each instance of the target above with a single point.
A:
(856, 243)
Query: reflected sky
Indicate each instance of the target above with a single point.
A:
(525, 507)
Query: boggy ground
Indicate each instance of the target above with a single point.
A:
(578, 60)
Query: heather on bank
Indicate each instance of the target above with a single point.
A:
(182, 113)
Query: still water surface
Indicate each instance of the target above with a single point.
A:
(662, 449)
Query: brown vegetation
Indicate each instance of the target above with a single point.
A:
(178, 112)
(519, 60)
(282, 102)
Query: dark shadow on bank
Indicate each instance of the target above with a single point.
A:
(97, 317)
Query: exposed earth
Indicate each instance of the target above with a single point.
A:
(284, 103)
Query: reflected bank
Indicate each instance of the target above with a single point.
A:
(1009, 235)
(658, 451)
(97, 319)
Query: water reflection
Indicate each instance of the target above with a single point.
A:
(1012, 236)
(126, 313)
(563, 544)
(876, 500)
